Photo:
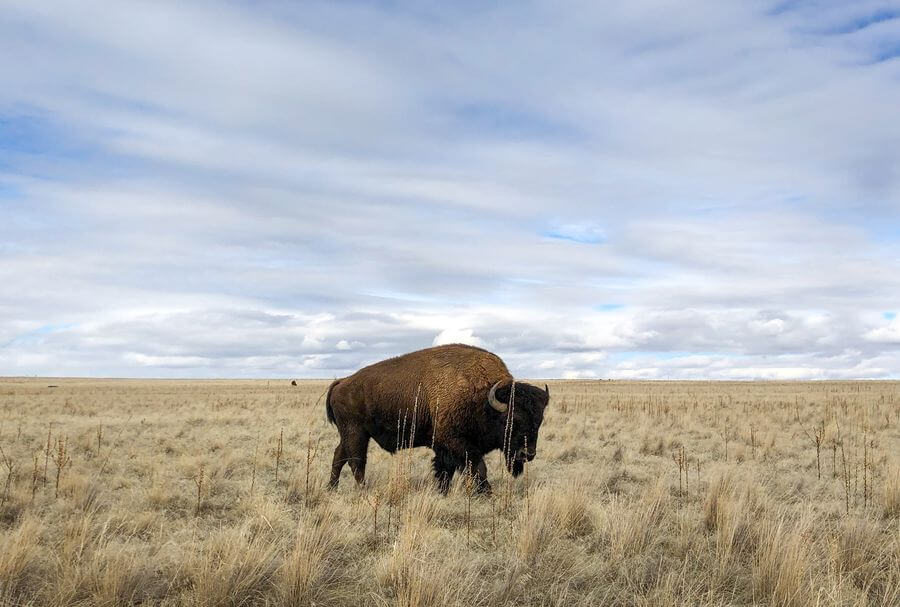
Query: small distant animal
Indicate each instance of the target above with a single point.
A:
(459, 400)
(293, 382)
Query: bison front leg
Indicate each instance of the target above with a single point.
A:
(481, 482)
(445, 466)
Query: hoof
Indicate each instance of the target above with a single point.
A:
(484, 488)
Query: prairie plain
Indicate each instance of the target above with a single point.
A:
(207, 493)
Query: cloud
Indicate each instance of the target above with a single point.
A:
(888, 334)
(638, 191)
(457, 336)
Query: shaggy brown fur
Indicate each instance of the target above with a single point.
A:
(437, 397)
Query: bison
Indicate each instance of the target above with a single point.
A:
(459, 400)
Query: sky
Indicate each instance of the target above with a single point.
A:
(637, 190)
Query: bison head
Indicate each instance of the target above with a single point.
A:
(522, 407)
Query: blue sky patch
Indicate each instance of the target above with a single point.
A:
(783, 7)
(581, 234)
(608, 307)
(888, 51)
(865, 21)
(24, 136)
(53, 328)
(889, 315)
(507, 121)
(34, 336)
(9, 191)
(28, 134)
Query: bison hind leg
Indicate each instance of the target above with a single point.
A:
(336, 465)
(351, 450)
(356, 447)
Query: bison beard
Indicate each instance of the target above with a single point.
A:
(518, 466)
(457, 399)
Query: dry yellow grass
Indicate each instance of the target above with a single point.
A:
(169, 497)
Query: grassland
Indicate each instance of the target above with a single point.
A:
(643, 493)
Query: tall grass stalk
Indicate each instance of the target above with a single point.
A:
(279, 451)
(61, 459)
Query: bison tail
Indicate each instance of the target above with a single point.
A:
(329, 412)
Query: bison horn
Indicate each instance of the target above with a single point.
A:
(547, 390)
(492, 400)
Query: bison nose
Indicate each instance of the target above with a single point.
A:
(530, 455)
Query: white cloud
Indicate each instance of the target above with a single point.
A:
(888, 334)
(345, 345)
(709, 190)
(579, 375)
(772, 327)
(457, 336)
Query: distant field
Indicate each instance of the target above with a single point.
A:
(167, 494)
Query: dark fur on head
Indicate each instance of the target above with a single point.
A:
(525, 413)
